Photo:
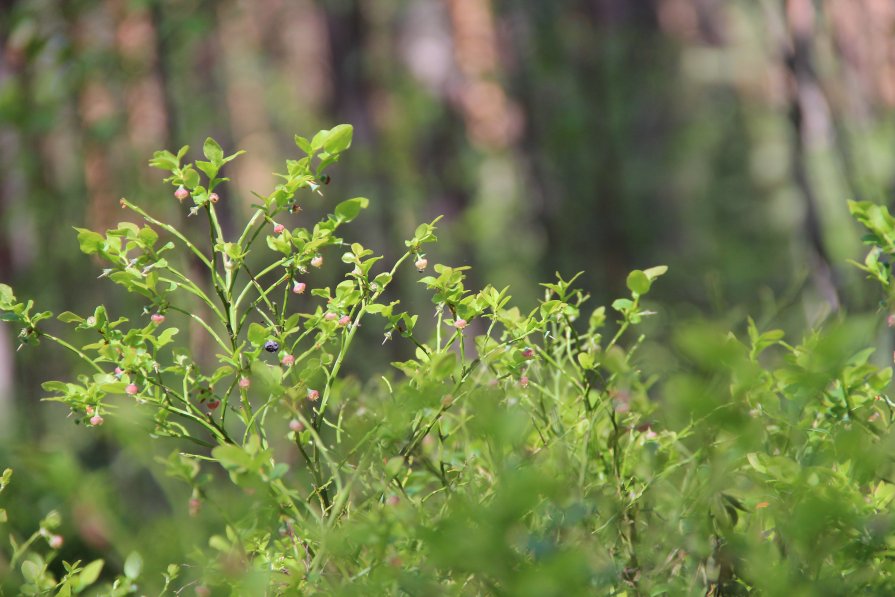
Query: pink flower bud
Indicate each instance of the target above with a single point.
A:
(890, 320)
(392, 500)
(244, 382)
(421, 263)
(528, 352)
(288, 360)
(317, 261)
(96, 420)
(195, 504)
(330, 316)
(157, 318)
(313, 395)
(181, 193)
(460, 324)
(296, 425)
(299, 288)
(131, 389)
(214, 198)
(212, 404)
(278, 229)
(523, 381)
(55, 541)
(344, 320)
(119, 371)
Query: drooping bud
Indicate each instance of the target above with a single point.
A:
(299, 288)
(181, 193)
(523, 381)
(195, 504)
(421, 263)
(213, 404)
(131, 389)
(55, 541)
(288, 360)
(460, 324)
(214, 198)
(313, 395)
(157, 318)
(244, 383)
(330, 316)
(296, 426)
(528, 352)
(96, 420)
(344, 320)
(278, 228)
(317, 261)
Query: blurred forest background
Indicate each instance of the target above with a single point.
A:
(721, 137)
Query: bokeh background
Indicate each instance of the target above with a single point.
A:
(720, 137)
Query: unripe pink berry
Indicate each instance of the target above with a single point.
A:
(313, 395)
(460, 324)
(528, 352)
(181, 193)
(119, 371)
(157, 318)
(296, 425)
(344, 320)
(244, 382)
(214, 198)
(278, 229)
(131, 389)
(96, 420)
(317, 261)
(299, 288)
(195, 504)
(330, 316)
(421, 263)
(523, 381)
(56, 541)
(288, 360)
(213, 404)
(392, 500)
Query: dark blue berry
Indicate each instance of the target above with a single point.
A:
(271, 346)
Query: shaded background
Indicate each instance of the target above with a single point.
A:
(720, 137)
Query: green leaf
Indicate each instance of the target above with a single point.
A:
(69, 317)
(190, 177)
(654, 272)
(347, 210)
(213, 151)
(89, 575)
(339, 138)
(638, 282)
(91, 242)
(257, 334)
(267, 377)
(133, 565)
(303, 144)
(622, 304)
(164, 160)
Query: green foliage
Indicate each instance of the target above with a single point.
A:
(516, 453)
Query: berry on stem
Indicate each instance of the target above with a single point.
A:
(131, 389)
(271, 346)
